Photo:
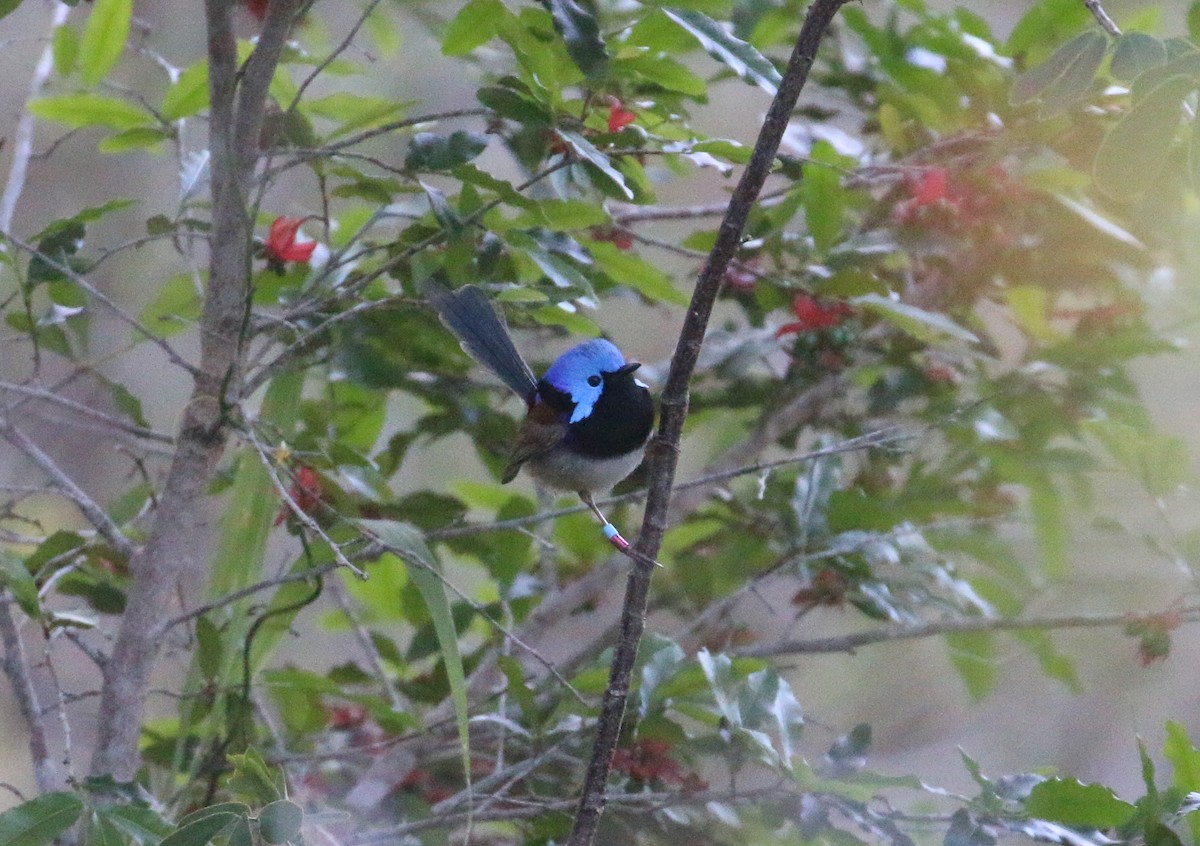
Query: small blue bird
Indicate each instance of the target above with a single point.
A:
(588, 418)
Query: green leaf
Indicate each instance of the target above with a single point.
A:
(1137, 52)
(1065, 76)
(586, 151)
(280, 821)
(143, 825)
(188, 95)
(740, 57)
(429, 151)
(174, 308)
(581, 35)
(39, 820)
(355, 111)
(626, 268)
(974, 656)
(201, 831)
(138, 138)
(926, 326)
(80, 110)
(476, 23)
(1185, 763)
(66, 49)
(1069, 802)
(104, 37)
(406, 541)
(1134, 150)
(7, 7)
(17, 580)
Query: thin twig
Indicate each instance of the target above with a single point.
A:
(889, 634)
(1102, 18)
(664, 449)
(32, 392)
(95, 515)
(103, 298)
(294, 507)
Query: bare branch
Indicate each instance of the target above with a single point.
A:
(95, 515)
(23, 134)
(1102, 18)
(664, 449)
(16, 669)
(888, 634)
(235, 118)
(117, 423)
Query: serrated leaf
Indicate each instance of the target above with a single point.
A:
(429, 151)
(280, 821)
(1079, 58)
(737, 55)
(39, 820)
(1071, 803)
(104, 37)
(79, 110)
(927, 326)
(1134, 150)
(1137, 52)
(406, 541)
(580, 34)
(188, 95)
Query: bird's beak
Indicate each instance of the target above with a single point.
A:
(627, 368)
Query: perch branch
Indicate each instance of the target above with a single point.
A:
(664, 450)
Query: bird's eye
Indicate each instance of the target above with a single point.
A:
(594, 380)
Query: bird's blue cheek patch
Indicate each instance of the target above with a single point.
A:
(585, 401)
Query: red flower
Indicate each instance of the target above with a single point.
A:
(281, 245)
(619, 117)
(812, 314)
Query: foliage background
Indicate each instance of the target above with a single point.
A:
(907, 690)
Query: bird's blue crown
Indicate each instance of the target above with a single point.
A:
(574, 372)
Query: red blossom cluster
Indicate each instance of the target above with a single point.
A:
(957, 201)
(813, 314)
(619, 117)
(282, 245)
(649, 759)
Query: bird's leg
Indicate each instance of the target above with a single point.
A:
(610, 531)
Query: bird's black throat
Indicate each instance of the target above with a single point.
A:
(620, 421)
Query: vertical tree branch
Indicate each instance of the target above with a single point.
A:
(235, 118)
(664, 449)
(16, 668)
(23, 135)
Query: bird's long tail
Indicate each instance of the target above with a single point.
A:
(470, 315)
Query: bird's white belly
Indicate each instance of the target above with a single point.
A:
(569, 471)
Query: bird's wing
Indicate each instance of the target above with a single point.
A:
(541, 431)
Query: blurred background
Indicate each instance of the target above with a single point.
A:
(908, 691)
